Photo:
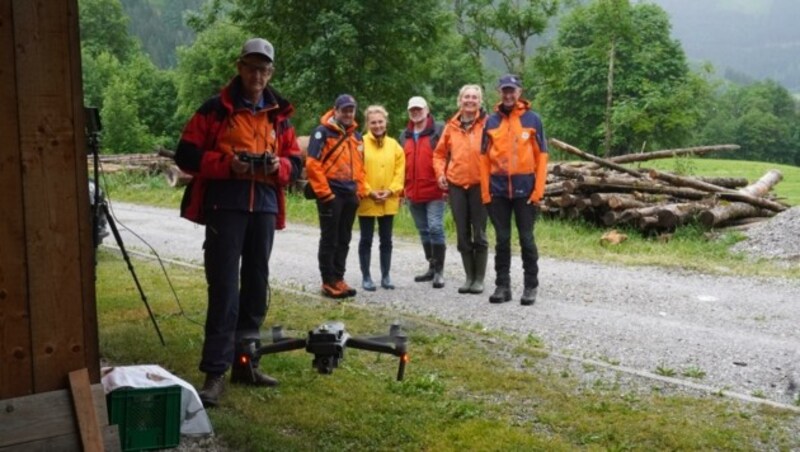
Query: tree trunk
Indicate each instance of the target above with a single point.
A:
(742, 195)
(670, 153)
(591, 186)
(609, 97)
(600, 161)
(762, 186)
(723, 213)
(176, 177)
(727, 182)
(673, 215)
(616, 201)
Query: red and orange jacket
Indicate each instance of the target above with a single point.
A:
(458, 153)
(513, 155)
(420, 184)
(335, 171)
(224, 126)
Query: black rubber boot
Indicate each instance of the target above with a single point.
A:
(428, 275)
(481, 257)
(468, 260)
(212, 390)
(438, 266)
(501, 295)
(386, 266)
(528, 296)
(366, 278)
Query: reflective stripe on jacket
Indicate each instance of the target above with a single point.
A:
(457, 155)
(514, 154)
(385, 169)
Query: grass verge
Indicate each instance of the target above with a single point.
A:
(464, 389)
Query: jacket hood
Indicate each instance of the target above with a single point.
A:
(273, 101)
(329, 122)
(455, 120)
(521, 105)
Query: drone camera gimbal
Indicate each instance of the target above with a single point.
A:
(327, 343)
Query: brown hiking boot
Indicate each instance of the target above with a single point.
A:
(332, 290)
(251, 376)
(346, 290)
(212, 390)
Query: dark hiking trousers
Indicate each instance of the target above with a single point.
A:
(500, 211)
(236, 255)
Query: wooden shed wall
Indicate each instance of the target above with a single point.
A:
(48, 321)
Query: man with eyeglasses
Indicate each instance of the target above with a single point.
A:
(242, 150)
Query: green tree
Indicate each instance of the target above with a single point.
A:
(615, 79)
(104, 28)
(206, 66)
(504, 26)
(761, 117)
(325, 48)
(123, 131)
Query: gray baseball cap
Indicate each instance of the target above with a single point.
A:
(258, 46)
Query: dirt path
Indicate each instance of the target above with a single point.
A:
(741, 332)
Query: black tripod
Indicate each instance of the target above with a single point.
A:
(100, 207)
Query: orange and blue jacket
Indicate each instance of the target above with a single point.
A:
(458, 153)
(420, 184)
(513, 155)
(338, 171)
(224, 126)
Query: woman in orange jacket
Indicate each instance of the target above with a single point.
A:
(456, 161)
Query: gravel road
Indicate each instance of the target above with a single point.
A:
(742, 332)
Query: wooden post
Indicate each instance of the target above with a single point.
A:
(48, 322)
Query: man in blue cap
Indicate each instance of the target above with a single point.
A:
(335, 170)
(513, 176)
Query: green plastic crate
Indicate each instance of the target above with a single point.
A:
(148, 418)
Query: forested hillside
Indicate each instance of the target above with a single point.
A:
(611, 78)
(753, 39)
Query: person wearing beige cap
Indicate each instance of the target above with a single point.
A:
(242, 150)
(426, 199)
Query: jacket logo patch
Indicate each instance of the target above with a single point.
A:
(525, 135)
(318, 135)
(361, 148)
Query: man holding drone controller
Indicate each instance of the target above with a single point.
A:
(242, 151)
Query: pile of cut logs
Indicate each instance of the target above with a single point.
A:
(162, 161)
(605, 192)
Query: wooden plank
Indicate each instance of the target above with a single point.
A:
(91, 438)
(44, 415)
(71, 441)
(85, 242)
(16, 372)
(48, 151)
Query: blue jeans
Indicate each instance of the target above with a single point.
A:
(429, 220)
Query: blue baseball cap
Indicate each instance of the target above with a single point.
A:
(344, 100)
(509, 81)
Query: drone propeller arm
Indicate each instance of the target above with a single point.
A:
(372, 346)
(284, 345)
(399, 350)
